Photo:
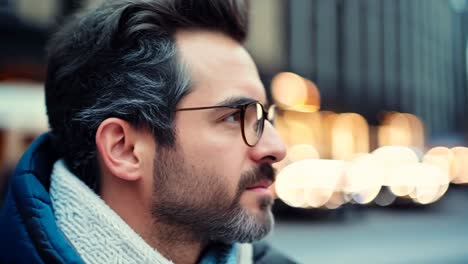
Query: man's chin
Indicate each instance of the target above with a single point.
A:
(257, 200)
(261, 213)
(248, 224)
(264, 224)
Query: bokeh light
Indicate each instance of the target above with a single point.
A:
(363, 178)
(297, 153)
(350, 135)
(392, 157)
(302, 128)
(460, 165)
(441, 157)
(328, 119)
(292, 92)
(395, 169)
(430, 182)
(401, 129)
(309, 183)
(302, 152)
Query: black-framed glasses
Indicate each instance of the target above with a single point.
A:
(252, 118)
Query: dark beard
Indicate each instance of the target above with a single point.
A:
(201, 206)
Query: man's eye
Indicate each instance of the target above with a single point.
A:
(234, 117)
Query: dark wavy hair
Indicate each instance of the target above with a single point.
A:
(121, 60)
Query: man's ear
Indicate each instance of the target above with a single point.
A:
(115, 141)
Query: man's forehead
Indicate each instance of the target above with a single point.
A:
(219, 67)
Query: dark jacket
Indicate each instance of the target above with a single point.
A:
(28, 231)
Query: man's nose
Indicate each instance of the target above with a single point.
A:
(270, 148)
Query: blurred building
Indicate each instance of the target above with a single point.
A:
(369, 56)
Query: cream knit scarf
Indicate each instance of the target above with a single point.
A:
(99, 234)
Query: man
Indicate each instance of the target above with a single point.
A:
(160, 147)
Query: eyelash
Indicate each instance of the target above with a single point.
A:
(234, 115)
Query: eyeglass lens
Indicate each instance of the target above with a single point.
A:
(253, 123)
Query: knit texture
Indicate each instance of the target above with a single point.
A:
(98, 234)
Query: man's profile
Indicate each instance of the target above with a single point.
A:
(161, 144)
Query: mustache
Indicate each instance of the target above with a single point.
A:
(262, 172)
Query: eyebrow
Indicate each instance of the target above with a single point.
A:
(236, 100)
(228, 102)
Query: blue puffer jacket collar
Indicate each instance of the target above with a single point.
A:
(28, 231)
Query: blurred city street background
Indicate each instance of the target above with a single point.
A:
(433, 235)
(372, 97)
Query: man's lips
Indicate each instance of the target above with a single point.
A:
(260, 185)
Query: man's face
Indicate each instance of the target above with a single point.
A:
(211, 182)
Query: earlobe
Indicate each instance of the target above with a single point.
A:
(115, 142)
